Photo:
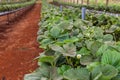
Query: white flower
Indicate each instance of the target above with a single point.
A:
(79, 56)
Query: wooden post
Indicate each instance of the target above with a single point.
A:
(77, 1)
(107, 2)
(74, 1)
(96, 1)
(81, 1)
(87, 2)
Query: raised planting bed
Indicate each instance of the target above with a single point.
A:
(76, 49)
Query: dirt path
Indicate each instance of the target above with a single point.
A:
(18, 46)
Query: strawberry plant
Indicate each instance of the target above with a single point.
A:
(76, 49)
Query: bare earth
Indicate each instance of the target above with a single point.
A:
(18, 46)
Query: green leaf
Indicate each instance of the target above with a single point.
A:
(116, 77)
(80, 35)
(55, 32)
(84, 51)
(96, 73)
(65, 25)
(102, 72)
(57, 48)
(71, 40)
(111, 57)
(81, 24)
(108, 37)
(41, 72)
(44, 73)
(75, 32)
(98, 33)
(63, 37)
(112, 29)
(92, 65)
(49, 59)
(69, 50)
(95, 46)
(89, 44)
(109, 72)
(76, 74)
(102, 49)
(63, 68)
(117, 46)
(32, 76)
(45, 42)
(86, 60)
(54, 74)
(49, 52)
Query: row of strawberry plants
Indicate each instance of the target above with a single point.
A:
(9, 7)
(99, 7)
(76, 49)
(11, 2)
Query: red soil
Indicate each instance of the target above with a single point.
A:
(18, 46)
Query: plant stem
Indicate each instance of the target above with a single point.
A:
(114, 36)
(52, 64)
(67, 59)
